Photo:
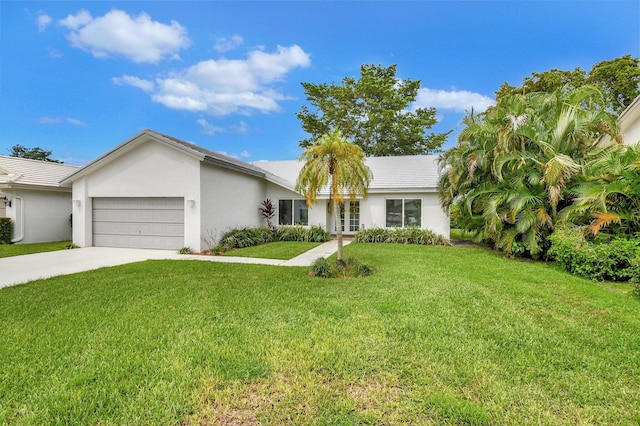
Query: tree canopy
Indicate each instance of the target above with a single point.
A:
(31, 153)
(618, 78)
(372, 112)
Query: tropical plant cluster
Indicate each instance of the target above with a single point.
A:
(534, 161)
(248, 237)
(614, 260)
(401, 236)
(6, 230)
(352, 268)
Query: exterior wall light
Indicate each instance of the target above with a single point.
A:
(191, 203)
(7, 202)
(76, 203)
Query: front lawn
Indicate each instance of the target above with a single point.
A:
(284, 250)
(438, 335)
(7, 250)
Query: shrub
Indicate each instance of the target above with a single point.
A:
(244, 237)
(597, 260)
(314, 234)
(400, 236)
(6, 230)
(321, 268)
(185, 250)
(352, 268)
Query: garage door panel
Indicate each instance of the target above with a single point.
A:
(138, 222)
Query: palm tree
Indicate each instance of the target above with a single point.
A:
(608, 196)
(336, 162)
(510, 172)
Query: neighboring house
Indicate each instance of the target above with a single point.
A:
(156, 191)
(32, 197)
(629, 123)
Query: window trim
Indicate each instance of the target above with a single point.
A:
(402, 212)
(292, 204)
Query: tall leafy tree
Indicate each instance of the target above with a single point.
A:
(31, 153)
(618, 78)
(335, 162)
(508, 176)
(371, 112)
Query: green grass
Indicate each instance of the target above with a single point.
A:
(438, 335)
(276, 250)
(8, 250)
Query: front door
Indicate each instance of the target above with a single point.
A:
(350, 217)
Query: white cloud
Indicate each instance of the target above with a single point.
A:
(43, 20)
(208, 128)
(48, 120)
(241, 128)
(117, 34)
(145, 85)
(58, 120)
(76, 122)
(456, 100)
(245, 154)
(211, 130)
(80, 19)
(226, 86)
(225, 44)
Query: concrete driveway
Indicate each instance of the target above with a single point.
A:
(22, 269)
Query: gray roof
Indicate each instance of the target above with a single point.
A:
(196, 151)
(390, 174)
(21, 173)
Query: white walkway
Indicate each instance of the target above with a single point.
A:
(22, 269)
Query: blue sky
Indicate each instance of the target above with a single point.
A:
(78, 78)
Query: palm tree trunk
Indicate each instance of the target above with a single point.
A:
(336, 211)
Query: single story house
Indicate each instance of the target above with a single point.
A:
(156, 191)
(32, 198)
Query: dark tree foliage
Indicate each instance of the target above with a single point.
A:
(31, 153)
(618, 78)
(371, 112)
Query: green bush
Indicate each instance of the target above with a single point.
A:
(321, 268)
(6, 230)
(352, 268)
(248, 237)
(400, 236)
(314, 234)
(244, 237)
(597, 260)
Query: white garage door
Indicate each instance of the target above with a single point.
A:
(156, 223)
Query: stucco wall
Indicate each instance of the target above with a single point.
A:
(317, 213)
(149, 169)
(40, 216)
(230, 200)
(373, 211)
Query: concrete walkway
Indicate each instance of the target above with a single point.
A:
(22, 269)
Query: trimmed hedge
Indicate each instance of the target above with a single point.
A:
(615, 260)
(401, 236)
(6, 230)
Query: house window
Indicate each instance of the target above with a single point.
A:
(402, 213)
(293, 212)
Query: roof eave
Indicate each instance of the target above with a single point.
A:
(124, 147)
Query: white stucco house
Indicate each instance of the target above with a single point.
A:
(629, 123)
(32, 198)
(156, 191)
